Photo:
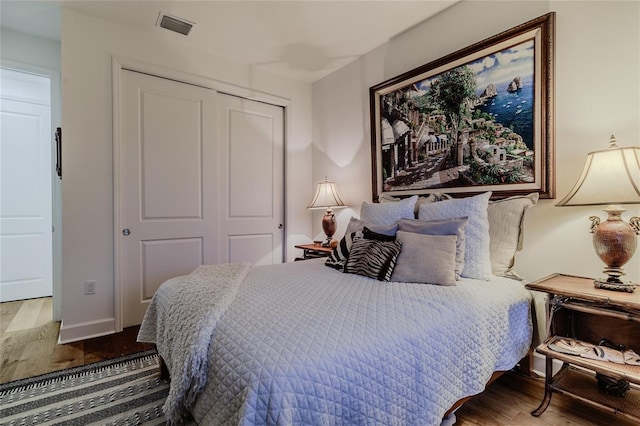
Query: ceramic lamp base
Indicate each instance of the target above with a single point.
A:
(328, 226)
(615, 242)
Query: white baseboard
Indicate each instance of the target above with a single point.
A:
(539, 365)
(86, 330)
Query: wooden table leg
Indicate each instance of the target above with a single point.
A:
(548, 390)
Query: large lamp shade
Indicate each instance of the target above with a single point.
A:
(610, 178)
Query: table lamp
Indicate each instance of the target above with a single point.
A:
(611, 177)
(327, 197)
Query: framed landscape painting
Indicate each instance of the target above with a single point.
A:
(480, 119)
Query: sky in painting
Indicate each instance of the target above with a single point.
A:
(504, 65)
(497, 68)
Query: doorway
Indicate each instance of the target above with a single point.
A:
(26, 207)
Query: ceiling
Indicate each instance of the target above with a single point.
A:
(305, 40)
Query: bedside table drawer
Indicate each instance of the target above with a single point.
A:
(313, 251)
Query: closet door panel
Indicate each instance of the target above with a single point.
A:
(167, 186)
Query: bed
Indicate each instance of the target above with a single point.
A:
(304, 343)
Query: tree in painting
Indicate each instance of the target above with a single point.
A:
(452, 93)
(470, 125)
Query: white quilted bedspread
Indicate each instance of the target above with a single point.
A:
(302, 343)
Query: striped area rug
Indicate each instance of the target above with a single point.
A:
(121, 391)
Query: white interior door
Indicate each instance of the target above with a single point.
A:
(25, 174)
(167, 185)
(251, 180)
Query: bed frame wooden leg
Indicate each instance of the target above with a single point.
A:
(525, 366)
(164, 371)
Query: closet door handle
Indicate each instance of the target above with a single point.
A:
(280, 226)
(126, 232)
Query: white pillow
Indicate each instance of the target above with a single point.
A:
(388, 213)
(431, 198)
(477, 261)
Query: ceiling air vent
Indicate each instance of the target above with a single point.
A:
(174, 24)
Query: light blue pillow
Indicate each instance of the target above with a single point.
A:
(477, 258)
(359, 224)
(388, 213)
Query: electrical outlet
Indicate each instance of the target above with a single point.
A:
(90, 287)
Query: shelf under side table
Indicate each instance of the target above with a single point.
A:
(582, 385)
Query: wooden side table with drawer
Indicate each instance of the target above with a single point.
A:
(579, 313)
(313, 251)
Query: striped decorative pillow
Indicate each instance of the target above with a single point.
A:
(373, 258)
(338, 257)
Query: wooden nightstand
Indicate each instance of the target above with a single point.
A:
(313, 251)
(576, 310)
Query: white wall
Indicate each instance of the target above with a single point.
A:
(597, 93)
(30, 50)
(88, 46)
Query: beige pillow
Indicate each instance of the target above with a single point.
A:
(425, 258)
(440, 227)
(506, 231)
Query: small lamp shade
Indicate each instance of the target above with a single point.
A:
(327, 197)
(610, 177)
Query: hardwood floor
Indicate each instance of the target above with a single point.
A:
(511, 398)
(29, 342)
(28, 347)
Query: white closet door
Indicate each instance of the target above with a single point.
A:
(167, 189)
(251, 181)
(200, 180)
(25, 205)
